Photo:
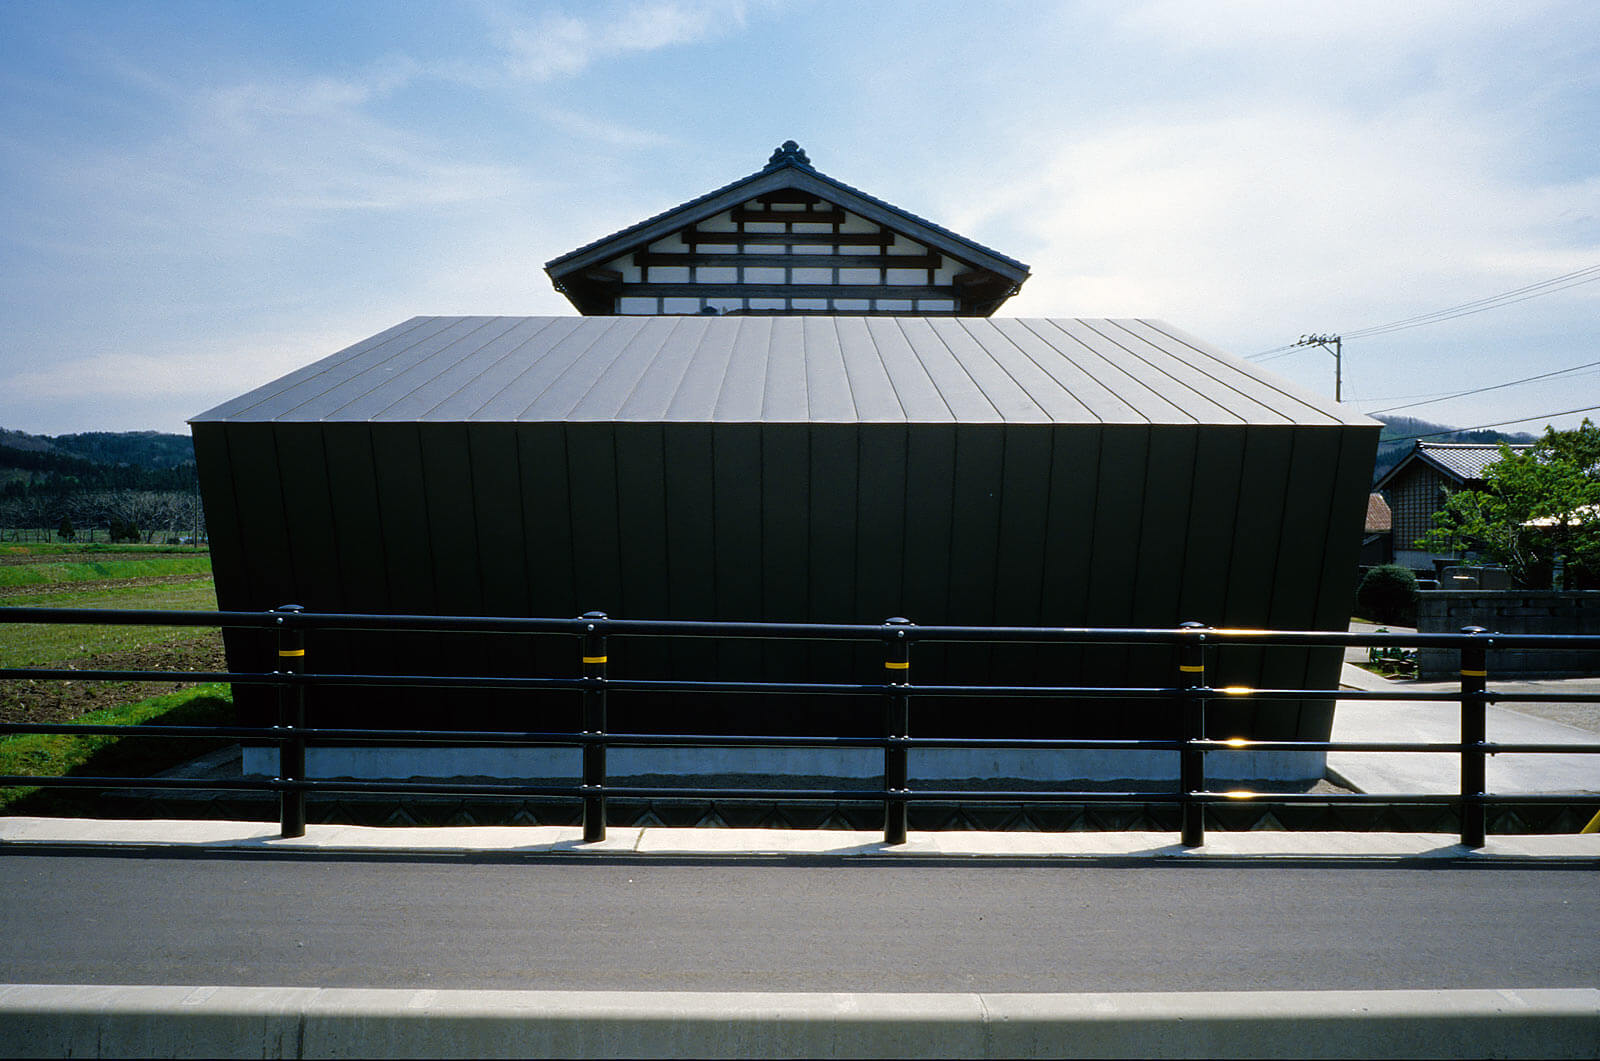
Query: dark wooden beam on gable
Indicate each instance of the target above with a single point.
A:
(799, 261)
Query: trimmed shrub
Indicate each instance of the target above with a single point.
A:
(1389, 595)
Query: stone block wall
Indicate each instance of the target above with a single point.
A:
(1510, 612)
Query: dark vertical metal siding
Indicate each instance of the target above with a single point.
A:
(780, 560)
(642, 537)
(1210, 553)
(1113, 560)
(592, 508)
(690, 542)
(1253, 555)
(353, 493)
(1062, 525)
(736, 527)
(882, 473)
(547, 545)
(929, 515)
(1068, 537)
(1334, 594)
(1156, 584)
(1313, 460)
(973, 498)
(833, 486)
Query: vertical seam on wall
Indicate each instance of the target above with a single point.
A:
(999, 524)
(233, 504)
(427, 518)
(950, 528)
(1188, 523)
(477, 523)
(522, 518)
(283, 514)
(333, 514)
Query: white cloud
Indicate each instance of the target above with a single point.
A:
(614, 134)
(549, 44)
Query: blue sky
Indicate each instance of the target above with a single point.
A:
(197, 198)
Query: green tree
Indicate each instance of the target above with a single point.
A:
(1536, 506)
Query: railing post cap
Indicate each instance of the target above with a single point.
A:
(1191, 625)
(898, 620)
(595, 615)
(290, 608)
(1473, 630)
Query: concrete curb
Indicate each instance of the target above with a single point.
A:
(20, 833)
(51, 1020)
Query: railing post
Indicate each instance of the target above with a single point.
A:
(594, 725)
(1192, 760)
(896, 723)
(1474, 731)
(291, 717)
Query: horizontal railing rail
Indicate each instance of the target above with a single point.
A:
(1189, 691)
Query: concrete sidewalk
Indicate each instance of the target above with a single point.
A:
(1421, 722)
(552, 841)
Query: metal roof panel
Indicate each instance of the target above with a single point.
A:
(783, 370)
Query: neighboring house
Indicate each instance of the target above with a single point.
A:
(1416, 488)
(1377, 537)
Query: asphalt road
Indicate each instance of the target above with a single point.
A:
(861, 926)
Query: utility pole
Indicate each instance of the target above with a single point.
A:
(1335, 346)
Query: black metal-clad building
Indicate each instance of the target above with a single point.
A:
(793, 464)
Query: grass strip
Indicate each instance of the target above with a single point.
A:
(45, 574)
(63, 755)
(52, 644)
(21, 549)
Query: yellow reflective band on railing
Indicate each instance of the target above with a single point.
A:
(1187, 669)
(892, 665)
(291, 651)
(594, 659)
(1237, 690)
(1240, 793)
(1237, 742)
(1474, 674)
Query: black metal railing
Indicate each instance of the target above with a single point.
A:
(1189, 691)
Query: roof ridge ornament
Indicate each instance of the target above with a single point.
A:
(789, 152)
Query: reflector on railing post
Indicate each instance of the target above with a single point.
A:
(1474, 731)
(896, 723)
(1192, 760)
(291, 717)
(594, 724)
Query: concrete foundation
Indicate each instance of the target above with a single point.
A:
(1148, 769)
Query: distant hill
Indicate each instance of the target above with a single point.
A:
(1399, 436)
(147, 449)
(141, 460)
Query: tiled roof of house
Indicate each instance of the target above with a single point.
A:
(1463, 462)
(1467, 460)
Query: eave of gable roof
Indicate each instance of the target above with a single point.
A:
(1421, 453)
(779, 176)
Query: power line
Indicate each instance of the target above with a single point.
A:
(1577, 277)
(1482, 390)
(1498, 423)
(1544, 287)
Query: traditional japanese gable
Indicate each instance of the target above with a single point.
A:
(786, 240)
